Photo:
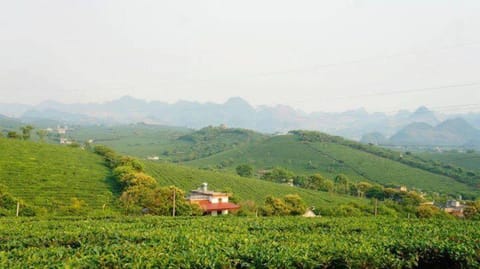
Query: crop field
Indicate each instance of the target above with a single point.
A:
(47, 176)
(189, 178)
(385, 171)
(331, 159)
(226, 242)
(469, 160)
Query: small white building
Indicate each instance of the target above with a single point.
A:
(211, 202)
(62, 130)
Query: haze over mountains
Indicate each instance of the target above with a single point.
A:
(236, 112)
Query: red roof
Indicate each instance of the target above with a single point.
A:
(208, 207)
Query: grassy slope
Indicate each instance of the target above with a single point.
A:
(168, 143)
(189, 178)
(136, 139)
(44, 175)
(470, 161)
(331, 159)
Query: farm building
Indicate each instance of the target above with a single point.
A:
(455, 208)
(211, 202)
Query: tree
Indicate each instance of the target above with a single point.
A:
(295, 204)
(288, 205)
(278, 174)
(470, 212)
(362, 188)
(26, 131)
(342, 182)
(41, 134)
(13, 135)
(132, 162)
(375, 192)
(244, 170)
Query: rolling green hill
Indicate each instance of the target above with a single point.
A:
(168, 143)
(189, 178)
(466, 160)
(49, 176)
(330, 159)
(217, 148)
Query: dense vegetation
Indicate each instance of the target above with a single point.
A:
(305, 158)
(168, 143)
(55, 179)
(250, 189)
(468, 177)
(468, 160)
(238, 243)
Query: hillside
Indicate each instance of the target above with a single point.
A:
(49, 176)
(167, 143)
(331, 158)
(189, 178)
(466, 160)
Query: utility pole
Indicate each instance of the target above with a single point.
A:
(174, 193)
(18, 208)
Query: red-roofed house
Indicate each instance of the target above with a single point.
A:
(211, 202)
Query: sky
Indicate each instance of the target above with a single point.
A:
(312, 55)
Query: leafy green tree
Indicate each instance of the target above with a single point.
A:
(274, 206)
(26, 131)
(244, 170)
(42, 134)
(470, 212)
(13, 135)
(375, 192)
(278, 174)
(327, 185)
(427, 211)
(362, 188)
(247, 208)
(295, 204)
(342, 182)
(288, 205)
(131, 162)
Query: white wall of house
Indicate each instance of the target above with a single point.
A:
(214, 213)
(224, 212)
(215, 200)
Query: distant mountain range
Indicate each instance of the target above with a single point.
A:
(452, 132)
(236, 112)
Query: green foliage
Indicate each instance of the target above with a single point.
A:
(26, 132)
(332, 156)
(42, 134)
(168, 143)
(256, 190)
(289, 205)
(13, 135)
(49, 176)
(244, 170)
(429, 211)
(283, 242)
(278, 174)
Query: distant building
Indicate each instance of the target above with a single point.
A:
(403, 188)
(153, 158)
(455, 208)
(65, 141)
(211, 202)
(62, 130)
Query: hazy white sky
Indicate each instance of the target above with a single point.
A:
(313, 55)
